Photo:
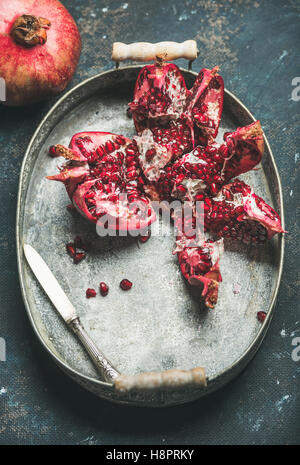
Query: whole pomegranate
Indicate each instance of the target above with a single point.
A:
(39, 49)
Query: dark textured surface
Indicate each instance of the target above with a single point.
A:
(256, 45)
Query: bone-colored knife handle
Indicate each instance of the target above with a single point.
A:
(102, 364)
(169, 379)
(145, 51)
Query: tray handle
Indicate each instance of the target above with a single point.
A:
(169, 379)
(161, 51)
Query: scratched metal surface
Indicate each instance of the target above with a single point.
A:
(38, 403)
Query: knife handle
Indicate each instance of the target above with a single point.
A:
(103, 366)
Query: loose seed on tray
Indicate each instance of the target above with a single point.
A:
(125, 284)
(103, 289)
(261, 316)
(90, 293)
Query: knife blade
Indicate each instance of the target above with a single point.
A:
(50, 284)
(67, 311)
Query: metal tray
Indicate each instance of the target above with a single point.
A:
(160, 323)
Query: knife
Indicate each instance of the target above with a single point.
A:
(64, 307)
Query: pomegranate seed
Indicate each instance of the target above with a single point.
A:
(150, 154)
(90, 293)
(130, 151)
(125, 284)
(79, 257)
(52, 152)
(181, 189)
(71, 249)
(103, 288)
(109, 146)
(261, 316)
(144, 238)
(121, 140)
(100, 151)
(213, 188)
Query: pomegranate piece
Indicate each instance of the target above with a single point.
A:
(205, 170)
(103, 289)
(261, 316)
(237, 212)
(125, 284)
(159, 95)
(90, 293)
(245, 149)
(204, 102)
(102, 178)
(199, 263)
(159, 145)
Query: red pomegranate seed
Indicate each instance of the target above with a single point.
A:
(71, 249)
(103, 289)
(261, 316)
(109, 146)
(70, 207)
(144, 238)
(181, 189)
(125, 284)
(79, 257)
(52, 152)
(90, 293)
(150, 154)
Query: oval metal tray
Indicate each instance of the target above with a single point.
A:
(158, 325)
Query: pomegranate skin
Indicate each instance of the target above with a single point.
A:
(37, 72)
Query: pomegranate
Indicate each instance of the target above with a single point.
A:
(237, 212)
(205, 170)
(102, 180)
(199, 265)
(40, 47)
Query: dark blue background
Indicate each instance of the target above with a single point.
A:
(256, 44)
